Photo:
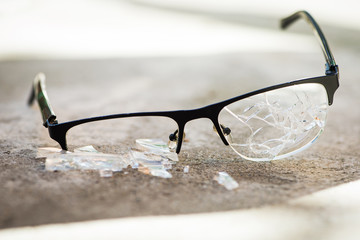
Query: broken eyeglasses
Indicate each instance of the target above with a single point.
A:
(266, 124)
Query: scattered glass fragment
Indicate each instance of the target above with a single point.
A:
(134, 164)
(152, 145)
(172, 145)
(144, 170)
(167, 164)
(59, 160)
(226, 180)
(160, 173)
(86, 149)
(152, 157)
(146, 157)
(106, 173)
(186, 169)
(46, 151)
(156, 146)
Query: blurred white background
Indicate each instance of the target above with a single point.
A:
(48, 29)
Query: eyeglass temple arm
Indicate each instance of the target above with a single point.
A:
(331, 66)
(38, 92)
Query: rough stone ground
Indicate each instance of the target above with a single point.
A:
(29, 195)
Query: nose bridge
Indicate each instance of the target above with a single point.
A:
(209, 112)
(184, 116)
(212, 113)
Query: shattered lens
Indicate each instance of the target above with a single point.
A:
(277, 123)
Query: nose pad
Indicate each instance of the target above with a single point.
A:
(173, 137)
(226, 131)
(173, 140)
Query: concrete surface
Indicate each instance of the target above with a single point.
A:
(329, 214)
(31, 196)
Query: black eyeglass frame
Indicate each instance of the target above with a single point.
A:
(57, 131)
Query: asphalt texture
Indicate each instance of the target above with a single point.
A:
(30, 195)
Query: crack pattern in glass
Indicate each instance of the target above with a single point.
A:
(274, 124)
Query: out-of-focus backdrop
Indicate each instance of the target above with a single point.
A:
(41, 29)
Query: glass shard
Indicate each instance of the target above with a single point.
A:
(85, 159)
(152, 157)
(226, 180)
(172, 145)
(46, 151)
(86, 149)
(156, 146)
(160, 173)
(152, 145)
(167, 164)
(106, 173)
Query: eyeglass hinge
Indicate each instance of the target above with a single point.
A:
(330, 69)
(51, 120)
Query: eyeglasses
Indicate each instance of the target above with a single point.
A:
(270, 123)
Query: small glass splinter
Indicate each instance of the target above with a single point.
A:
(153, 157)
(85, 158)
(86, 149)
(226, 180)
(105, 173)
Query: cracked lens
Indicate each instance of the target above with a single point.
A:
(277, 123)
